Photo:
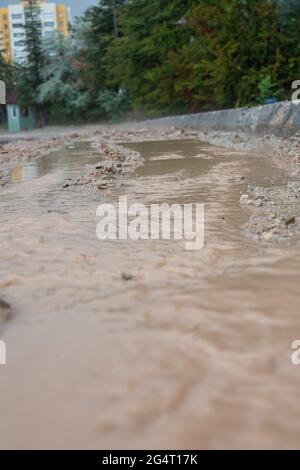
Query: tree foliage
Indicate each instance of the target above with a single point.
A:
(166, 56)
(30, 71)
(205, 54)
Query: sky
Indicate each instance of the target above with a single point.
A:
(77, 6)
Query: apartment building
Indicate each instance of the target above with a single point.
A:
(54, 17)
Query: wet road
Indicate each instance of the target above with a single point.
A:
(193, 352)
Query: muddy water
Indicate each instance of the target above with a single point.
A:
(193, 352)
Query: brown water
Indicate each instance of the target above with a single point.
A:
(193, 352)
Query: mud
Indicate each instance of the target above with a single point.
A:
(275, 212)
(13, 153)
(286, 150)
(124, 344)
(41, 143)
(116, 162)
(5, 311)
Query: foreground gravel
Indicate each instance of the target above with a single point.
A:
(275, 212)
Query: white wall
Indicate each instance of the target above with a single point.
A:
(17, 23)
(17, 32)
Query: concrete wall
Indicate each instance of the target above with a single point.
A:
(281, 119)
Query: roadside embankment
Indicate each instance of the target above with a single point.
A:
(280, 119)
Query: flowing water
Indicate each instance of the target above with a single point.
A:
(194, 351)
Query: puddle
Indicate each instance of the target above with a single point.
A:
(67, 161)
(34, 186)
(192, 352)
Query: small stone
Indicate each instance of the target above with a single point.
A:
(290, 221)
(267, 235)
(126, 277)
(258, 203)
(103, 185)
(244, 199)
(5, 310)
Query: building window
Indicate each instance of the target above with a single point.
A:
(61, 24)
(18, 35)
(17, 16)
(49, 24)
(5, 17)
(14, 111)
(18, 25)
(49, 16)
(5, 26)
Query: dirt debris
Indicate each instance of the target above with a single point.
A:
(130, 133)
(275, 211)
(289, 149)
(5, 311)
(109, 172)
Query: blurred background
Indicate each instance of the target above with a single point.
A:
(114, 59)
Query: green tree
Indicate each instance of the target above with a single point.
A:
(69, 87)
(150, 31)
(164, 56)
(29, 71)
(97, 28)
(174, 56)
(62, 89)
(236, 44)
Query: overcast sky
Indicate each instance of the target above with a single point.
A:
(77, 6)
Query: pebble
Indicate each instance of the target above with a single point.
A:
(126, 277)
(5, 310)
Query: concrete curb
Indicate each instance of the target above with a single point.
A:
(280, 119)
